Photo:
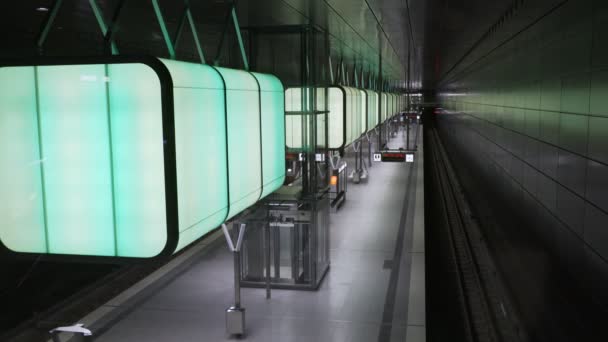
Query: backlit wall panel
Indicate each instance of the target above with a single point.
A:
(273, 116)
(363, 98)
(22, 208)
(137, 149)
(372, 109)
(244, 152)
(85, 149)
(346, 115)
(296, 125)
(200, 143)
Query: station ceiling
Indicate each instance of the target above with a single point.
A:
(436, 34)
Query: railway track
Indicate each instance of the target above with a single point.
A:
(484, 308)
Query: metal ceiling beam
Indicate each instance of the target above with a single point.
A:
(112, 27)
(102, 24)
(232, 17)
(46, 27)
(187, 16)
(163, 28)
(195, 36)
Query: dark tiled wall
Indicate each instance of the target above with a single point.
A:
(533, 114)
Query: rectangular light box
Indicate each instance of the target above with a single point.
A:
(346, 115)
(372, 109)
(131, 157)
(300, 100)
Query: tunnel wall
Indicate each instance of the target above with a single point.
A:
(528, 125)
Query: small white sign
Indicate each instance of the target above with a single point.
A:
(377, 157)
(320, 157)
(409, 158)
(301, 157)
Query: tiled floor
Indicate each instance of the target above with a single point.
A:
(352, 303)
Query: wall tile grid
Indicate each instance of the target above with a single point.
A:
(538, 106)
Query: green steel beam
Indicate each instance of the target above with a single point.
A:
(112, 26)
(102, 24)
(180, 27)
(237, 30)
(163, 28)
(187, 16)
(195, 35)
(46, 27)
(331, 71)
(218, 53)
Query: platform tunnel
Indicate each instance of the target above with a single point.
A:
(402, 170)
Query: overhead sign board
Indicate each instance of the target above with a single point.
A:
(393, 156)
(398, 156)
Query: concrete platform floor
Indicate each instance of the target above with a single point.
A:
(374, 290)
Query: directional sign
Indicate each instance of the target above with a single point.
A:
(377, 157)
(393, 156)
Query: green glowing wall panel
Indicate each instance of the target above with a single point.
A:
(244, 152)
(273, 114)
(351, 115)
(83, 154)
(336, 121)
(363, 98)
(77, 171)
(346, 117)
(384, 112)
(200, 131)
(372, 109)
(21, 213)
(296, 125)
(137, 149)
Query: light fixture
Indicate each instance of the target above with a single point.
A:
(42, 9)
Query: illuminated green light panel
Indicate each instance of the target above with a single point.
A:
(359, 107)
(82, 169)
(297, 125)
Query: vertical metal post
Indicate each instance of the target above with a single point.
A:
(408, 78)
(267, 257)
(237, 279)
(235, 315)
(331, 71)
(380, 144)
(407, 135)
